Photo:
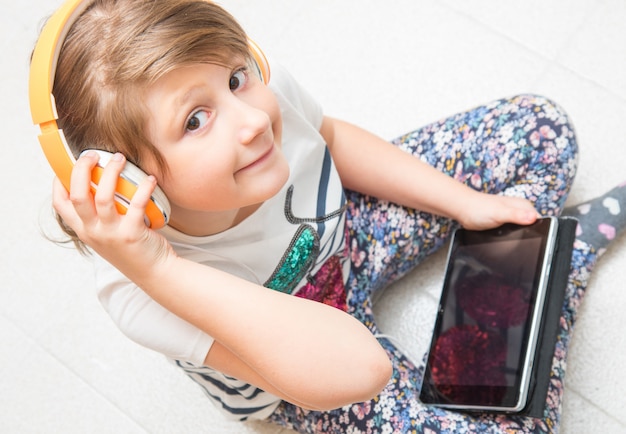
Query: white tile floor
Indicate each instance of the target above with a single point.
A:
(389, 66)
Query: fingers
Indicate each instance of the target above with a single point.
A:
(61, 201)
(104, 197)
(80, 185)
(493, 210)
(522, 212)
(141, 198)
(526, 212)
(82, 208)
(521, 217)
(513, 210)
(120, 239)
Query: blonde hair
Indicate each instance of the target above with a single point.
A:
(118, 47)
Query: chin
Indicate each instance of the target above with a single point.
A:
(277, 184)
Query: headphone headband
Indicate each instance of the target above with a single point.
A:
(45, 58)
(44, 113)
(41, 80)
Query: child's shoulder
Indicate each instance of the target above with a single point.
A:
(289, 92)
(281, 81)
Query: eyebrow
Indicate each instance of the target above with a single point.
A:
(183, 99)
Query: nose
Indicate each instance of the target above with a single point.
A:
(252, 122)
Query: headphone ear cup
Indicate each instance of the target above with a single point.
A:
(158, 209)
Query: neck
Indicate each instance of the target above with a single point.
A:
(200, 224)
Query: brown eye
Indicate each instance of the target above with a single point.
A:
(238, 79)
(197, 120)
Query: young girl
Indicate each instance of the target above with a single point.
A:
(260, 286)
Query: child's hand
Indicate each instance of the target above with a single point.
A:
(486, 211)
(123, 240)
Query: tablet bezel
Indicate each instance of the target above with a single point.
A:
(514, 396)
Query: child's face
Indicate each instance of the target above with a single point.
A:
(219, 130)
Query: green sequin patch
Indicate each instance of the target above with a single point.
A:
(298, 259)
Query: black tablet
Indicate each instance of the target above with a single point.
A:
(483, 346)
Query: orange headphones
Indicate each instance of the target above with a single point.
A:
(52, 140)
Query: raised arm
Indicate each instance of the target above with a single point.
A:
(371, 165)
(304, 352)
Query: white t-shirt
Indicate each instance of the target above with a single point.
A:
(282, 246)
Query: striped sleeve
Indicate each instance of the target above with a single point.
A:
(238, 400)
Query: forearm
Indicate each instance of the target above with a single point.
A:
(305, 352)
(373, 166)
(370, 165)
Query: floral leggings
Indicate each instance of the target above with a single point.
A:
(523, 146)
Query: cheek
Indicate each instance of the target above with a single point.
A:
(193, 176)
(277, 129)
(273, 109)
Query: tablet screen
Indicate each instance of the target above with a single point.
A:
(487, 319)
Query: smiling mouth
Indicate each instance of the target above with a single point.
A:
(259, 160)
